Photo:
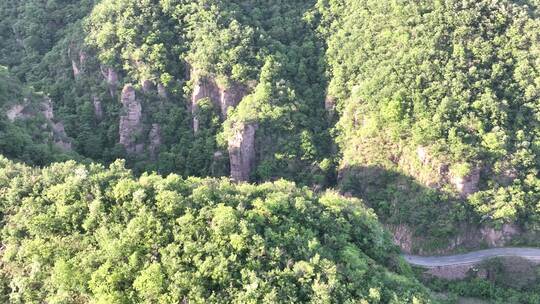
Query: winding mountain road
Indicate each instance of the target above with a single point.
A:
(532, 254)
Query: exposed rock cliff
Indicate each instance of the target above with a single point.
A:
(111, 77)
(78, 60)
(223, 98)
(45, 107)
(499, 237)
(330, 106)
(17, 111)
(231, 97)
(75, 67)
(162, 91)
(242, 151)
(155, 140)
(203, 87)
(467, 238)
(435, 172)
(98, 108)
(130, 120)
(60, 137)
(468, 184)
(147, 85)
(58, 131)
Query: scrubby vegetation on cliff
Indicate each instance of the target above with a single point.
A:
(26, 134)
(426, 110)
(445, 92)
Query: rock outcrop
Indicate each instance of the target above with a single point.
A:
(497, 238)
(223, 98)
(58, 132)
(402, 236)
(330, 106)
(204, 87)
(77, 62)
(16, 112)
(468, 184)
(231, 97)
(47, 109)
(155, 140)
(242, 151)
(162, 91)
(98, 107)
(130, 120)
(423, 155)
(468, 237)
(241, 145)
(60, 137)
(75, 67)
(147, 85)
(111, 77)
(435, 171)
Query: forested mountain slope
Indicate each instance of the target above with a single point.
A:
(28, 128)
(439, 111)
(189, 64)
(85, 234)
(426, 110)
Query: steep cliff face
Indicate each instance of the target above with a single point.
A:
(54, 128)
(230, 97)
(203, 87)
(223, 98)
(58, 131)
(435, 172)
(47, 109)
(467, 184)
(147, 85)
(130, 120)
(162, 91)
(61, 139)
(241, 145)
(18, 111)
(98, 108)
(242, 151)
(155, 140)
(111, 77)
(330, 106)
(500, 237)
(78, 60)
(467, 238)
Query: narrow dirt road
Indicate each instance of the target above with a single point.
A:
(532, 254)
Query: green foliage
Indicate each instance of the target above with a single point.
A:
(484, 289)
(86, 234)
(458, 77)
(268, 43)
(28, 138)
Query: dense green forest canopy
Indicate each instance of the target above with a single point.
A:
(440, 91)
(269, 46)
(86, 234)
(429, 111)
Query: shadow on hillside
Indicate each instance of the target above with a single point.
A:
(422, 219)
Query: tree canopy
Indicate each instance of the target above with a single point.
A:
(86, 234)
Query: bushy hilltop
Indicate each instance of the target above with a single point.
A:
(76, 233)
(426, 110)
